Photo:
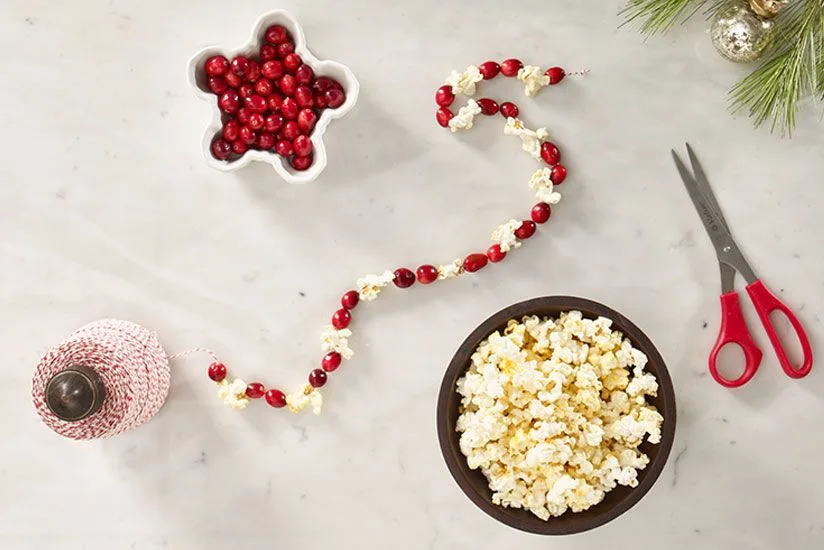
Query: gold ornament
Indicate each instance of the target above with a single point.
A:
(743, 30)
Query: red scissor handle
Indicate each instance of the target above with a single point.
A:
(734, 331)
(765, 303)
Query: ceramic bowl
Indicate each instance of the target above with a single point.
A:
(341, 73)
(475, 485)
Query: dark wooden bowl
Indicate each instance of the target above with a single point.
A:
(475, 485)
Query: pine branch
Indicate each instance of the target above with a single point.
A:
(659, 16)
(773, 91)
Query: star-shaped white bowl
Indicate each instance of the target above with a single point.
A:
(341, 73)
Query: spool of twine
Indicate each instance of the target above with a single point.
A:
(106, 378)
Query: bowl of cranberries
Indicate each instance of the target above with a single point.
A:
(272, 99)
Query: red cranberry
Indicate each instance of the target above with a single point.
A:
(285, 49)
(217, 65)
(243, 115)
(304, 96)
(540, 212)
(303, 146)
(489, 70)
(289, 108)
(495, 254)
(334, 98)
(559, 174)
(239, 147)
(320, 100)
(291, 63)
(273, 123)
(221, 149)
(444, 96)
(252, 71)
(246, 90)
(232, 80)
(427, 274)
(265, 141)
(301, 163)
(526, 230)
(550, 153)
(510, 67)
(230, 130)
(444, 115)
(341, 319)
(283, 148)
(276, 34)
(475, 262)
(323, 83)
(291, 131)
(488, 106)
(217, 84)
(304, 74)
(217, 371)
(229, 102)
(274, 100)
(404, 278)
(307, 119)
(555, 74)
(256, 103)
(350, 299)
(268, 52)
(255, 390)
(509, 109)
(264, 87)
(317, 378)
(331, 361)
(288, 85)
(247, 135)
(272, 69)
(276, 398)
(239, 65)
(256, 121)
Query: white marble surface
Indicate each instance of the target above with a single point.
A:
(107, 209)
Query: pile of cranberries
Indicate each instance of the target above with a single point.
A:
(270, 103)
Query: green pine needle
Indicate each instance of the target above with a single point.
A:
(792, 70)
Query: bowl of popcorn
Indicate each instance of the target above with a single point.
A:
(556, 415)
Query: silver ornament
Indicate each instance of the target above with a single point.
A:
(740, 34)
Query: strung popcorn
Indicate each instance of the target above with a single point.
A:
(533, 78)
(541, 182)
(464, 83)
(337, 341)
(306, 396)
(450, 270)
(505, 235)
(370, 286)
(530, 139)
(233, 393)
(465, 117)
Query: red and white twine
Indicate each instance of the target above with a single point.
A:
(132, 366)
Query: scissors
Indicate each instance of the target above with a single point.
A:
(731, 261)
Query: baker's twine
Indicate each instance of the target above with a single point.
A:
(132, 366)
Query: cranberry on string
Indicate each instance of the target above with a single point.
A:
(495, 254)
(555, 74)
(217, 371)
(331, 361)
(341, 319)
(488, 106)
(404, 278)
(509, 109)
(489, 69)
(427, 274)
(276, 398)
(550, 153)
(443, 116)
(559, 174)
(444, 96)
(317, 378)
(510, 67)
(350, 299)
(541, 212)
(526, 230)
(475, 262)
(255, 390)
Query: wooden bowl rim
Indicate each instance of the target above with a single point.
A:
(568, 523)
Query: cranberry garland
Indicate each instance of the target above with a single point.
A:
(270, 103)
(507, 236)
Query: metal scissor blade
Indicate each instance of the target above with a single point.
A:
(726, 249)
(705, 189)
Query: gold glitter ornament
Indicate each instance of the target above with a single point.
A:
(743, 30)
